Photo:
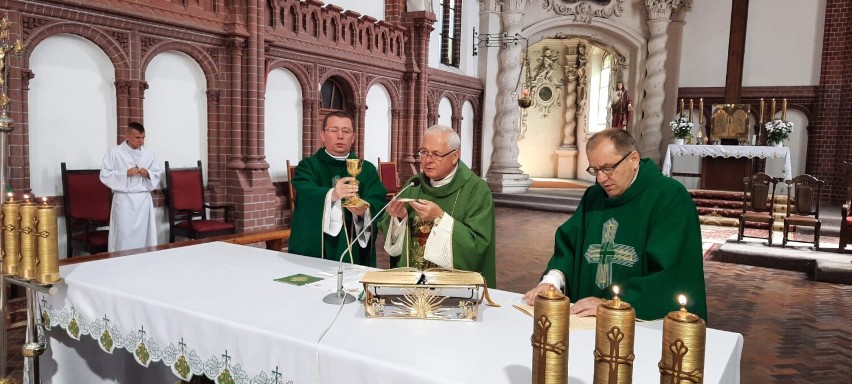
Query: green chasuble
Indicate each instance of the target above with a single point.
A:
(315, 176)
(647, 241)
(468, 201)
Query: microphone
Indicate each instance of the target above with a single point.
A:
(341, 297)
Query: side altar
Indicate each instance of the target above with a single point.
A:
(723, 175)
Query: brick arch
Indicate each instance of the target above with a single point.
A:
(474, 104)
(207, 64)
(299, 72)
(454, 102)
(346, 78)
(104, 41)
(393, 92)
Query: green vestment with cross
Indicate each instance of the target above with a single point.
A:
(647, 241)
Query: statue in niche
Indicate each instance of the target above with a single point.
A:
(622, 106)
(544, 68)
(582, 78)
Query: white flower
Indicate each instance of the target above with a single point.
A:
(681, 127)
(778, 130)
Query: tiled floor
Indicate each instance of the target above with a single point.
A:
(796, 330)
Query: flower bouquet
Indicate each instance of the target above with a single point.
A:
(778, 130)
(681, 127)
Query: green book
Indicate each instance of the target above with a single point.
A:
(298, 279)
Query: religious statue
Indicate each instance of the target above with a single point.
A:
(546, 61)
(621, 107)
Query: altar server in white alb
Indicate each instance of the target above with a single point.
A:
(131, 171)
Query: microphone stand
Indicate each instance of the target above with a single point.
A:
(341, 297)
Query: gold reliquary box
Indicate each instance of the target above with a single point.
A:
(435, 294)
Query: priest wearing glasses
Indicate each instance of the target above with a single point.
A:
(322, 227)
(634, 228)
(448, 219)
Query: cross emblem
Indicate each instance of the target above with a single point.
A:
(276, 374)
(614, 358)
(675, 371)
(608, 252)
(543, 327)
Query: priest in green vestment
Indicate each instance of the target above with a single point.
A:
(448, 219)
(636, 229)
(322, 227)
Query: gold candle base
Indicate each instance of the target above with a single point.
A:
(684, 340)
(27, 266)
(48, 246)
(615, 329)
(550, 338)
(11, 237)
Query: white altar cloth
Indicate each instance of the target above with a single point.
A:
(220, 299)
(736, 151)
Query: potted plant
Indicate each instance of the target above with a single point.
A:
(778, 131)
(681, 128)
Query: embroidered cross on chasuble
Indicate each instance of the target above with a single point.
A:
(608, 252)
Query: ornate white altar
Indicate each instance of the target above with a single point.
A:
(736, 151)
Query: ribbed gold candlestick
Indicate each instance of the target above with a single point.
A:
(48, 245)
(11, 239)
(26, 269)
(684, 340)
(550, 338)
(615, 329)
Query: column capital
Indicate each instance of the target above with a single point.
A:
(679, 13)
(661, 9)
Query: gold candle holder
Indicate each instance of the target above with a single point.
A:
(615, 329)
(48, 245)
(11, 239)
(684, 340)
(550, 337)
(27, 229)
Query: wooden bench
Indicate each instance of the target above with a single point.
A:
(272, 237)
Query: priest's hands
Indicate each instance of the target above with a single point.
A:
(359, 211)
(138, 171)
(586, 306)
(426, 209)
(530, 296)
(342, 189)
(144, 173)
(397, 209)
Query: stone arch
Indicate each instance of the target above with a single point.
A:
(454, 102)
(103, 40)
(389, 86)
(346, 78)
(207, 64)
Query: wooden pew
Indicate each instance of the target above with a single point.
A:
(272, 237)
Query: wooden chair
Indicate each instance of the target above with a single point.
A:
(389, 176)
(803, 195)
(88, 204)
(758, 203)
(187, 208)
(846, 210)
(291, 173)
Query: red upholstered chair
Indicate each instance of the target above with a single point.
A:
(291, 173)
(846, 210)
(758, 203)
(803, 195)
(187, 209)
(389, 176)
(88, 203)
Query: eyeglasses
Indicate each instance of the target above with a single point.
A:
(607, 170)
(345, 131)
(423, 154)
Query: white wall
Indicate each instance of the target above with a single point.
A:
(445, 112)
(175, 115)
(374, 8)
(783, 43)
(72, 110)
(377, 125)
(282, 124)
(467, 134)
(175, 110)
(784, 46)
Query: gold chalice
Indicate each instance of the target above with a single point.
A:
(353, 167)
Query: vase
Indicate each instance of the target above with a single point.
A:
(778, 144)
(678, 141)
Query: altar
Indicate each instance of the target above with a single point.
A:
(216, 309)
(783, 170)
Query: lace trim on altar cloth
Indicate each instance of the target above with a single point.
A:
(181, 358)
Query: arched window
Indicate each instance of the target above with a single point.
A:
(451, 11)
(332, 95)
(600, 89)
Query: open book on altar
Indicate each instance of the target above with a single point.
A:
(575, 323)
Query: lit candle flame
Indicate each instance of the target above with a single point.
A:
(615, 290)
(44, 200)
(26, 197)
(682, 300)
(525, 92)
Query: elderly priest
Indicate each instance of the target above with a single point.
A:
(447, 220)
